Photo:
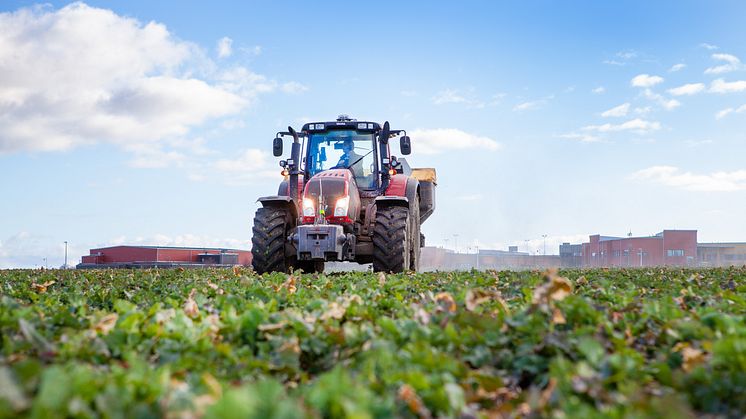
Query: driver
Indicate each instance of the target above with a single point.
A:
(349, 157)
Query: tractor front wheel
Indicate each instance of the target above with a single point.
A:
(268, 242)
(391, 240)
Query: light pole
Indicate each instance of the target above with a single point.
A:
(455, 242)
(446, 240)
(477, 247)
(641, 257)
(45, 263)
(527, 248)
(544, 236)
(65, 265)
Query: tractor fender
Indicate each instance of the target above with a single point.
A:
(392, 201)
(283, 202)
(403, 186)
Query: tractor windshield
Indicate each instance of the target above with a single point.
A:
(340, 149)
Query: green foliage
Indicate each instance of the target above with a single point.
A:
(224, 343)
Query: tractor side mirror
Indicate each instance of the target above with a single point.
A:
(406, 145)
(277, 147)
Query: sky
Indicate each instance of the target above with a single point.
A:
(145, 122)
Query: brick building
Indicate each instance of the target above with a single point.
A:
(667, 248)
(163, 257)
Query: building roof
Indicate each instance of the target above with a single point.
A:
(723, 244)
(172, 247)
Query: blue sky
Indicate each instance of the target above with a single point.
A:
(151, 122)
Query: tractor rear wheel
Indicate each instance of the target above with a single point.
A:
(391, 240)
(268, 242)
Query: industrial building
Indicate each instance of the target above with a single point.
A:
(667, 248)
(438, 258)
(163, 257)
(721, 254)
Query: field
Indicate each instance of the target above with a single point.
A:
(228, 343)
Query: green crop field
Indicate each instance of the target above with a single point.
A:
(229, 343)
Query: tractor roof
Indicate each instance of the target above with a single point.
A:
(342, 122)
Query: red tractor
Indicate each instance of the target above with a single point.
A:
(344, 198)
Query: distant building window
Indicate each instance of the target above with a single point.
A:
(675, 252)
(617, 253)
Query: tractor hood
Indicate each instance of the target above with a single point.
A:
(331, 195)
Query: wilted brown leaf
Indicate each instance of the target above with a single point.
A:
(271, 326)
(546, 394)
(290, 284)
(236, 270)
(692, 358)
(446, 302)
(381, 279)
(212, 384)
(554, 288)
(475, 297)
(335, 311)
(409, 396)
(106, 323)
(215, 287)
(558, 317)
(190, 306)
(42, 288)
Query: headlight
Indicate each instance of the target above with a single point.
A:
(340, 209)
(308, 209)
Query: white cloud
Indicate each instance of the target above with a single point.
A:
(293, 87)
(676, 178)
(646, 80)
(532, 105)
(181, 240)
(668, 104)
(29, 250)
(722, 86)
(637, 125)
(439, 140)
(676, 67)
(617, 111)
(622, 58)
(467, 97)
(598, 90)
(82, 75)
(225, 47)
(448, 96)
(708, 46)
(255, 50)
(643, 110)
(687, 89)
(583, 138)
(732, 64)
(727, 111)
(627, 55)
(251, 165)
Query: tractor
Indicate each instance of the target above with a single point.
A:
(344, 197)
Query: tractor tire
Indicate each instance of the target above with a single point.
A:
(414, 244)
(391, 240)
(270, 230)
(310, 266)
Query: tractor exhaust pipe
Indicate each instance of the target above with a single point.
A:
(293, 166)
(383, 141)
